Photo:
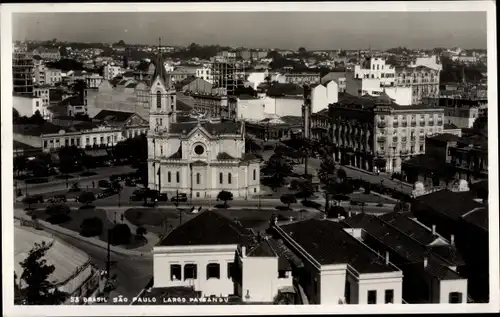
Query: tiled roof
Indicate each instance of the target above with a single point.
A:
(448, 253)
(478, 217)
(21, 146)
(221, 128)
(445, 137)
(249, 157)
(114, 116)
(328, 243)
(452, 204)
(409, 249)
(261, 250)
(35, 129)
(208, 228)
(409, 228)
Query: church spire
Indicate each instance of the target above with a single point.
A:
(160, 70)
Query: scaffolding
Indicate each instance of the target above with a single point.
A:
(227, 73)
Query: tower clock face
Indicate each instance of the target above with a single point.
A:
(199, 149)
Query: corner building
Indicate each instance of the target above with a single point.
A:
(197, 157)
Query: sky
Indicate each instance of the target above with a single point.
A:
(284, 30)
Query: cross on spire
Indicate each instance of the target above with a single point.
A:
(159, 44)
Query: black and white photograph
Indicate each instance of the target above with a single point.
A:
(328, 156)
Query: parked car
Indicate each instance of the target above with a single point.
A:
(106, 193)
(163, 197)
(104, 183)
(57, 199)
(181, 197)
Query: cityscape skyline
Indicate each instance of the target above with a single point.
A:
(442, 29)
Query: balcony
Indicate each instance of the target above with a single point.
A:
(381, 139)
(403, 140)
(440, 122)
(422, 123)
(395, 139)
(431, 122)
(414, 123)
(421, 138)
(380, 153)
(412, 139)
(404, 152)
(381, 124)
(395, 124)
(404, 124)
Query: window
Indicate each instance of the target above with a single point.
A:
(389, 296)
(221, 178)
(421, 148)
(229, 178)
(190, 271)
(372, 297)
(161, 149)
(199, 150)
(77, 142)
(102, 140)
(282, 274)
(455, 298)
(198, 176)
(213, 271)
(158, 99)
(72, 141)
(44, 143)
(109, 139)
(178, 177)
(197, 194)
(254, 174)
(66, 142)
(169, 177)
(230, 269)
(87, 141)
(175, 272)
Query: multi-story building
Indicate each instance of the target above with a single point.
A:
(374, 133)
(205, 73)
(52, 76)
(299, 78)
(48, 54)
(43, 92)
(432, 62)
(22, 71)
(376, 68)
(214, 105)
(469, 157)
(84, 135)
(199, 158)
(462, 117)
(93, 80)
(423, 80)
(111, 71)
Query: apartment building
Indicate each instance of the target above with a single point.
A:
(462, 117)
(43, 92)
(299, 78)
(374, 133)
(28, 105)
(22, 71)
(213, 105)
(205, 73)
(111, 71)
(376, 68)
(424, 82)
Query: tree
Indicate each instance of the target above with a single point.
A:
(327, 178)
(141, 232)
(91, 227)
(225, 196)
(70, 159)
(341, 174)
(29, 200)
(277, 167)
(20, 164)
(481, 123)
(306, 189)
(288, 199)
(57, 210)
(251, 145)
(120, 234)
(336, 212)
(37, 118)
(86, 198)
(38, 290)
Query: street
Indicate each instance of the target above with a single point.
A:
(133, 273)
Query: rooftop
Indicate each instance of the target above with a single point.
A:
(449, 126)
(445, 137)
(208, 228)
(214, 128)
(478, 217)
(115, 116)
(451, 204)
(328, 243)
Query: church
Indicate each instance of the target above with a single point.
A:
(198, 157)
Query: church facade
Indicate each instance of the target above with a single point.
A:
(198, 157)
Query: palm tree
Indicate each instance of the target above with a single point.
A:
(328, 179)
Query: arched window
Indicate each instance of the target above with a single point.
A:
(169, 177)
(254, 174)
(158, 99)
(213, 271)
(221, 178)
(229, 178)
(190, 271)
(198, 177)
(178, 177)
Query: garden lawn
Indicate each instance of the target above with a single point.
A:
(76, 217)
(152, 218)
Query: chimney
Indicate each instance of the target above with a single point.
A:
(243, 252)
(452, 239)
(386, 258)
(434, 229)
(425, 262)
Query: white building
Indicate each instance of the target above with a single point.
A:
(323, 95)
(431, 61)
(27, 106)
(257, 78)
(52, 76)
(227, 261)
(257, 109)
(93, 80)
(111, 71)
(402, 95)
(43, 92)
(197, 158)
(169, 67)
(376, 68)
(205, 73)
